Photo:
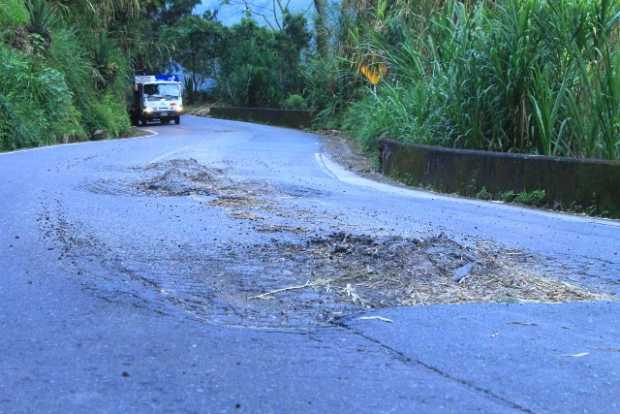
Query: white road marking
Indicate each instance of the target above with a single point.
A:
(337, 171)
(152, 131)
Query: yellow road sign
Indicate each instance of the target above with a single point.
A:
(374, 73)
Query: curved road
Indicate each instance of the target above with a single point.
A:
(103, 305)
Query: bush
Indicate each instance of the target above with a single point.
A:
(12, 13)
(57, 85)
(295, 103)
(329, 88)
(36, 105)
(109, 114)
(532, 198)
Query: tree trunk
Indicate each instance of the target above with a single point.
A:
(320, 27)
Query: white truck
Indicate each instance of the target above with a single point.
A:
(156, 97)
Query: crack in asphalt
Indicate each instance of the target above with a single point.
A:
(408, 360)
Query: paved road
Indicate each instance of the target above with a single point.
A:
(104, 305)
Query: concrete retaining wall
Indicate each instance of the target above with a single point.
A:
(569, 183)
(280, 117)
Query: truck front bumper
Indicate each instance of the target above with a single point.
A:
(161, 114)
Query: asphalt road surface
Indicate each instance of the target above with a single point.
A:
(130, 270)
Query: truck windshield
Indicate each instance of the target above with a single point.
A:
(161, 90)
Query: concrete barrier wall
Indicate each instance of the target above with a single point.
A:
(280, 117)
(572, 184)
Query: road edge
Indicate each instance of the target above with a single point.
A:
(152, 133)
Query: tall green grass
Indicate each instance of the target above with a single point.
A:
(535, 76)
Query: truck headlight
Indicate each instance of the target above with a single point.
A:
(148, 110)
(179, 108)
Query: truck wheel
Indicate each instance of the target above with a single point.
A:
(177, 120)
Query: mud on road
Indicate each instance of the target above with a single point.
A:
(305, 278)
(395, 271)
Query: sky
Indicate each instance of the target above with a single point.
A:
(232, 13)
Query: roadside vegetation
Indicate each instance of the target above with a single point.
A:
(66, 67)
(533, 76)
(62, 77)
(530, 76)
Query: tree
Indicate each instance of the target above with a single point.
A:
(320, 27)
(260, 66)
(172, 11)
(248, 66)
(291, 41)
(196, 45)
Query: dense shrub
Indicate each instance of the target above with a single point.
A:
(58, 81)
(295, 103)
(12, 13)
(108, 114)
(509, 75)
(37, 106)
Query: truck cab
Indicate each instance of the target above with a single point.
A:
(156, 98)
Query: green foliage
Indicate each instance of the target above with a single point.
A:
(174, 11)
(12, 13)
(41, 20)
(196, 44)
(522, 76)
(330, 87)
(108, 114)
(251, 64)
(13, 134)
(61, 76)
(406, 113)
(290, 42)
(507, 196)
(531, 198)
(536, 198)
(295, 103)
(247, 75)
(37, 104)
(484, 194)
(258, 66)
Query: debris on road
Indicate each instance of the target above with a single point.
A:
(305, 278)
(396, 271)
(187, 177)
(174, 182)
(280, 228)
(462, 272)
(375, 318)
(286, 289)
(520, 323)
(179, 177)
(579, 355)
